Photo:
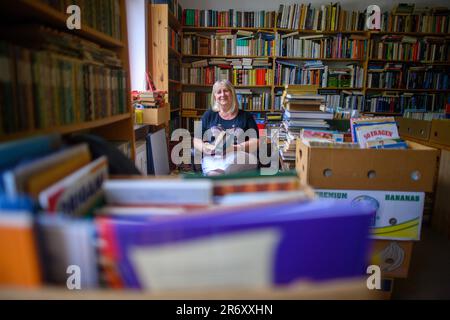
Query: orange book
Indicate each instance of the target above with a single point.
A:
(19, 261)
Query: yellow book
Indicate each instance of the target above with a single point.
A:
(333, 18)
(41, 180)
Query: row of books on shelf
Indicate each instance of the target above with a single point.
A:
(43, 88)
(174, 40)
(427, 78)
(103, 16)
(422, 20)
(399, 76)
(196, 100)
(250, 100)
(330, 17)
(408, 48)
(235, 63)
(324, 18)
(428, 116)
(395, 102)
(340, 101)
(143, 233)
(225, 42)
(321, 46)
(315, 73)
(209, 75)
(228, 18)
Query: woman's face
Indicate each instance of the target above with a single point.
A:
(223, 97)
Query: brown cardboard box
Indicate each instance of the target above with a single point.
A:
(393, 257)
(440, 132)
(414, 128)
(410, 169)
(156, 116)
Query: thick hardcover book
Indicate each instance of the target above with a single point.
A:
(77, 193)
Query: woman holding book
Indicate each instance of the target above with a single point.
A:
(229, 141)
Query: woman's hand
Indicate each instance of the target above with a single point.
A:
(209, 149)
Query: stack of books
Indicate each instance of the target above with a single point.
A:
(303, 108)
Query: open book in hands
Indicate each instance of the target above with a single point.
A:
(222, 145)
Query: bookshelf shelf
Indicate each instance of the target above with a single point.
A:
(318, 32)
(191, 116)
(349, 26)
(413, 34)
(411, 90)
(193, 28)
(40, 12)
(236, 86)
(412, 62)
(321, 59)
(327, 88)
(174, 81)
(226, 57)
(46, 113)
(71, 128)
(383, 113)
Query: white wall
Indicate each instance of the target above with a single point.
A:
(136, 13)
(273, 4)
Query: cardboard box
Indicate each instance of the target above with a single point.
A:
(414, 128)
(440, 132)
(393, 257)
(156, 116)
(410, 169)
(398, 214)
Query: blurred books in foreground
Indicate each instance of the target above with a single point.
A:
(166, 233)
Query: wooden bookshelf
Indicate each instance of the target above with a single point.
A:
(32, 10)
(160, 22)
(39, 13)
(340, 29)
(403, 54)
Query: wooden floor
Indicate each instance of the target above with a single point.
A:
(429, 274)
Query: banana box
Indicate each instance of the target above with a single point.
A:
(398, 214)
(393, 257)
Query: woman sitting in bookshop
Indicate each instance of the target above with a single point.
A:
(229, 140)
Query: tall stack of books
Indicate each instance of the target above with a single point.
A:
(303, 108)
